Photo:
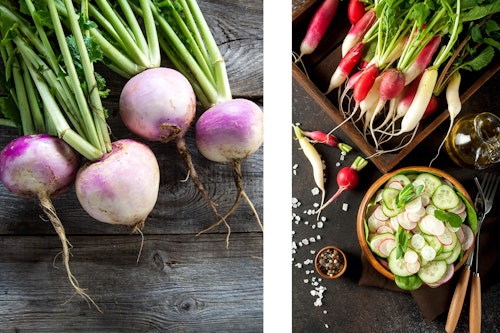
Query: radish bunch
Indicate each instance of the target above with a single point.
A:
(398, 57)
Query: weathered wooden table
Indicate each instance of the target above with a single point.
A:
(182, 282)
(346, 306)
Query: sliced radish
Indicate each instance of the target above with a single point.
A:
(446, 238)
(394, 223)
(385, 229)
(459, 209)
(413, 267)
(414, 217)
(431, 225)
(426, 200)
(469, 237)
(396, 184)
(379, 214)
(374, 223)
(414, 205)
(411, 256)
(417, 241)
(430, 209)
(386, 246)
(406, 223)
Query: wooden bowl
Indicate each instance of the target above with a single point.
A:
(373, 259)
(321, 271)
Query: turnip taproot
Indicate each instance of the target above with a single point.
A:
(229, 132)
(41, 167)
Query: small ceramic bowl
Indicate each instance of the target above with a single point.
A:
(374, 260)
(330, 262)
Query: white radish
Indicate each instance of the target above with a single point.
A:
(454, 106)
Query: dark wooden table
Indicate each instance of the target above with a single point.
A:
(347, 306)
(182, 283)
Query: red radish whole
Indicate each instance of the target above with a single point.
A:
(318, 26)
(230, 132)
(345, 67)
(422, 61)
(355, 10)
(122, 187)
(358, 31)
(365, 82)
(327, 139)
(41, 167)
(347, 179)
(159, 104)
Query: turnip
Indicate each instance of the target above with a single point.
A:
(69, 92)
(124, 201)
(41, 167)
(229, 132)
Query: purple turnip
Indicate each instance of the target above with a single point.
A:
(230, 132)
(42, 167)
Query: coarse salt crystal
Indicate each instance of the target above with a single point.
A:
(345, 206)
(319, 224)
(313, 252)
(305, 241)
(306, 281)
(318, 237)
(337, 164)
(323, 218)
(315, 191)
(312, 239)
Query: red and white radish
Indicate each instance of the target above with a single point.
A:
(358, 30)
(347, 179)
(327, 139)
(423, 60)
(318, 26)
(126, 199)
(229, 132)
(345, 66)
(42, 167)
(355, 10)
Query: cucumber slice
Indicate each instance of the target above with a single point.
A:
(433, 271)
(397, 265)
(445, 197)
(389, 196)
(455, 254)
(430, 182)
(398, 182)
(434, 242)
(378, 240)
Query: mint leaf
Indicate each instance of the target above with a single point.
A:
(453, 219)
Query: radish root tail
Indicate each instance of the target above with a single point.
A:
(50, 212)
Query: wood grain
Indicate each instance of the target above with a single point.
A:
(182, 282)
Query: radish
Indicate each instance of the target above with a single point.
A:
(318, 26)
(422, 61)
(345, 66)
(41, 167)
(454, 106)
(347, 179)
(327, 139)
(314, 158)
(355, 10)
(129, 200)
(358, 30)
(229, 132)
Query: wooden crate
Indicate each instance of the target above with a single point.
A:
(316, 69)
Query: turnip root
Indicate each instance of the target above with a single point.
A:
(230, 132)
(122, 187)
(41, 167)
(159, 104)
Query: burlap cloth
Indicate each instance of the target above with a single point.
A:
(435, 301)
